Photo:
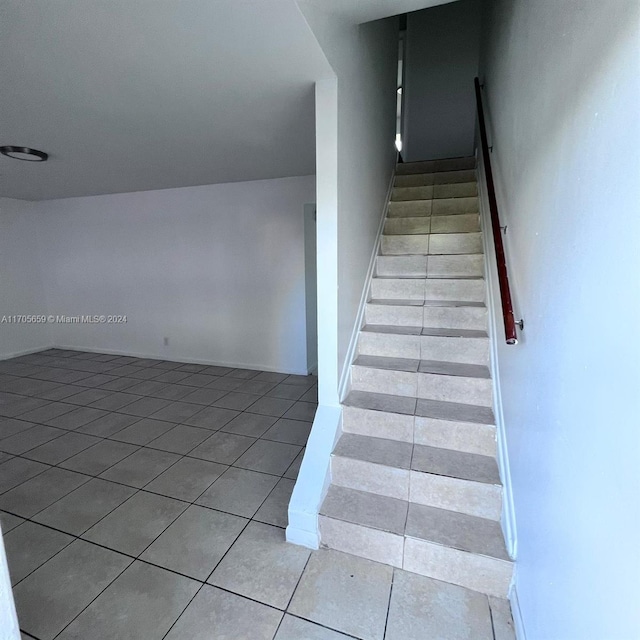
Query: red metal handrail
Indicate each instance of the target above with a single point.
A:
(503, 278)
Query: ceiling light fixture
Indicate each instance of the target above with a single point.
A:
(23, 153)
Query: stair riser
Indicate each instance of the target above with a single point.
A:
(409, 225)
(409, 208)
(456, 436)
(443, 349)
(480, 573)
(440, 191)
(459, 266)
(442, 177)
(401, 266)
(396, 315)
(367, 476)
(452, 206)
(476, 391)
(403, 194)
(434, 317)
(365, 542)
(454, 243)
(434, 166)
(443, 289)
(454, 494)
(378, 424)
(420, 225)
(405, 245)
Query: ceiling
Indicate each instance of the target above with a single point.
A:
(131, 95)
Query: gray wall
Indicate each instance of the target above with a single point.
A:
(441, 62)
(563, 96)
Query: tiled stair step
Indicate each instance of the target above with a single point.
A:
(432, 208)
(433, 289)
(430, 179)
(399, 533)
(461, 223)
(469, 437)
(434, 166)
(429, 386)
(423, 366)
(450, 411)
(431, 244)
(447, 479)
(465, 346)
(436, 191)
(418, 266)
(412, 315)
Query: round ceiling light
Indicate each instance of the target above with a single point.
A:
(23, 153)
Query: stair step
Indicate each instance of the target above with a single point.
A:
(399, 209)
(452, 243)
(454, 206)
(422, 266)
(445, 387)
(421, 225)
(401, 266)
(425, 331)
(414, 315)
(436, 289)
(433, 166)
(423, 366)
(462, 482)
(429, 179)
(438, 410)
(435, 192)
(468, 437)
(407, 226)
(375, 527)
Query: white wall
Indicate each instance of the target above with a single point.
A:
(355, 158)
(442, 49)
(562, 96)
(21, 281)
(218, 270)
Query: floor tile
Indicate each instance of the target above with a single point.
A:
(140, 467)
(195, 542)
(197, 380)
(235, 400)
(152, 598)
(120, 384)
(143, 431)
(39, 492)
(204, 396)
(51, 597)
(15, 471)
(61, 392)
(224, 448)
(302, 411)
(136, 523)
(262, 566)
(286, 391)
(9, 522)
(108, 425)
(180, 439)
(270, 376)
(29, 439)
(258, 388)
(243, 374)
(297, 629)
(45, 413)
(172, 376)
(311, 396)
(144, 407)
(232, 617)
(344, 592)
(173, 391)
(76, 418)
(177, 412)
(424, 608)
(187, 479)
(30, 545)
(274, 509)
(303, 381)
(268, 457)
(83, 507)
(19, 406)
(289, 431)
(249, 424)
(94, 460)
(147, 388)
(59, 449)
(212, 418)
(225, 384)
(11, 426)
(239, 492)
(271, 406)
(294, 468)
(115, 401)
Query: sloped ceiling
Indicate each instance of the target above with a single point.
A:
(130, 95)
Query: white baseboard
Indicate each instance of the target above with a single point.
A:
(508, 520)
(25, 352)
(314, 478)
(343, 385)
(516, 614)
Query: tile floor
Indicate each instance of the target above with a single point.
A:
(143, 500)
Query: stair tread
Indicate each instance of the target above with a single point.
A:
(366, 509)
(440, 410)
(417, 457)
(435, 166)
(436, 332)
(440, 526)
(403, 302)
(423, 366)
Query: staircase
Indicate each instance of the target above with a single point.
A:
(414, 479)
